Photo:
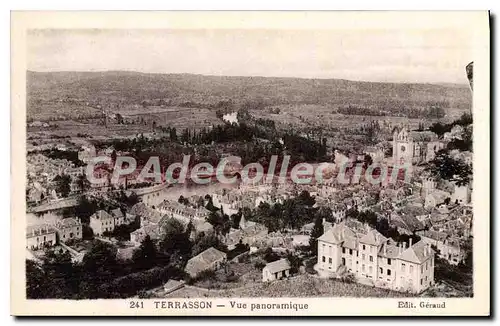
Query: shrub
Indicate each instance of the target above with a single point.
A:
(348, 278)
(259, 265)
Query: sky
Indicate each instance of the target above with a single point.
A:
(412, 56)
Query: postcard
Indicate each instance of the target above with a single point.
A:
(250, 163)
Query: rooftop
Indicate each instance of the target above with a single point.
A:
(278, 265)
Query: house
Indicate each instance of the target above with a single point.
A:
(153, 230)
(373, 259)
(455, 133)
(448, 247)
(118, 216)
(35, 196)
(461, 194)
(40, 236)
(146, 214)
(101, 221)
(376, 153)
(210, 259)
(276, 270)
(69, 228)
(182, 212)
(86, 153)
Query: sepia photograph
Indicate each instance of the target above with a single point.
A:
(258, 167)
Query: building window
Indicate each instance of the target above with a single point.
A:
(363, 257)
(411, 268)
(330, 261)
(363, 268)
(324, 259)
(403, 267)
(426, 278)
(388, 272)
(426, 265)
(350, 252)
(370, 269)
(422, 269)
(381, 271)
(371, 258)
(364, 247)
(388, 261)
(421, 281)
(343, 250)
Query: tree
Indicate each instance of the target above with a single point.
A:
(83, 183)
(270, 255)
(59, 270)
(144, 257)
(220, 222)
(448, 168)
(295, 262)
(306, 199)
(210, 204)
(205, 241)
(235, 219)
(63, 184)
(36, 287)
(99, 265)
(175, 242)
(316, 232)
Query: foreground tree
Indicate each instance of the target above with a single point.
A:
(317, 232)
(448, 168)
(145, 256)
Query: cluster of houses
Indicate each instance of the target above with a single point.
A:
(46, 235)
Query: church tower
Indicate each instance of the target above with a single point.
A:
(402, 147)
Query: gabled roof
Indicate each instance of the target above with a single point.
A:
(337, 234)
(203, 260)
(423, 135)
(117, 212)
(278, 266)
(416, 253)
(389, 249)
(373, 238)
(102, 215)
(146, 213)
(67, 222)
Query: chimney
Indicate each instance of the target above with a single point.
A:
(411, 241)
(399, 248)
(385, 248)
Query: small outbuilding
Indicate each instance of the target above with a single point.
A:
(276, 270)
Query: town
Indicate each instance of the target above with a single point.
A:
(135, 237)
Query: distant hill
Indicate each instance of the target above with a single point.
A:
(119, 88)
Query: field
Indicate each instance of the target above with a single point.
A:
(178, 117)
(301, 286)
(116, 91)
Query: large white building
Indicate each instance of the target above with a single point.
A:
(40, 236)
(373, 259)
(101, 221)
